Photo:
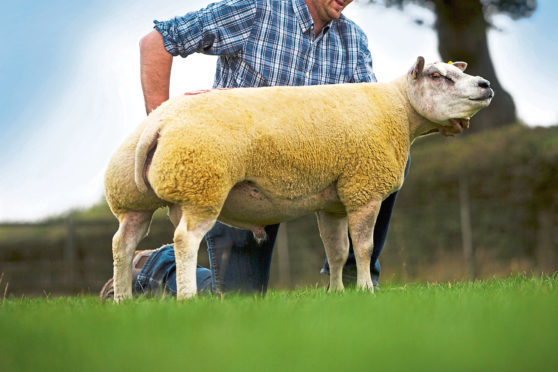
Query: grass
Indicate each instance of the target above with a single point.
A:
(495, 325)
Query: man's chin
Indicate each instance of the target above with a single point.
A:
(334, 12)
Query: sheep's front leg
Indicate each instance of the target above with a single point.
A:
(334, 234)
(187, 239)
(133, 228)
(361, 226)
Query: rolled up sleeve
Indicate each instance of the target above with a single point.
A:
(219, 29)
(364, 72)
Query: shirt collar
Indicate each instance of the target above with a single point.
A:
(305, 19)
(303, 15)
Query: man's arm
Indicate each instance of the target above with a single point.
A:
(219, 29)
(364, 72)
(155, 70)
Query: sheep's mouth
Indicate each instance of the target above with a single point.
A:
(486, 96)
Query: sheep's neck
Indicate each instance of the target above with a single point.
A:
(418, 124)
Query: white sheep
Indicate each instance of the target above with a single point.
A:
(251, 157)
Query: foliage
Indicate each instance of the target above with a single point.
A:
(511, 174)
(515, 9)
(461, 27)
(493, 325)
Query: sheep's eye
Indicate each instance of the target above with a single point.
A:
(450, 80)
(435, 76)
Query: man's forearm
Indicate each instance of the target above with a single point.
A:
(155, 70)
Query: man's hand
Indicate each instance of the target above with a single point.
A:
(458, 126)
(155, 69)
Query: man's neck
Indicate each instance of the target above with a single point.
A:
(318, 23)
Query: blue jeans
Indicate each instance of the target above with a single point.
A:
(240, 264)
(228, 248)
(159, 274)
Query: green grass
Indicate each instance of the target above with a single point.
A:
(495, 325)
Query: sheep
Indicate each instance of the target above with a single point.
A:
(250, 157)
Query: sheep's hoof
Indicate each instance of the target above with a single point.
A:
(367, 287)
(186, 296)
(332, 288)
(121, 298)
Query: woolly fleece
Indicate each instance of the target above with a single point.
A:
(290, 141)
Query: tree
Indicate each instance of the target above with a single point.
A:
(461, 26)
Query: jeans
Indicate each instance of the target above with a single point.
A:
(159, 274)
(240, 264)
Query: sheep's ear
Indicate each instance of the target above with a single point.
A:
(460, 65)
(417, 68)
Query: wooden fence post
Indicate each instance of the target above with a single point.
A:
(546, 254)
(70, 254)
(466, 231)
(283, 256)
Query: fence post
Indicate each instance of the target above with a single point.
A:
(283, 256)
(70, 254)
(466, 231)
(546, 254)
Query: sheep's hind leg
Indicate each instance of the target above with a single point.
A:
(134, 226)
(361, 226)
(334, 234)
(187, 239)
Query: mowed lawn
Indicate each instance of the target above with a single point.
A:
(494, 325)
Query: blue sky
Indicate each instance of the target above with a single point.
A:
(71, 91)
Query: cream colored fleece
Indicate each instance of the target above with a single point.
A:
(291, 141)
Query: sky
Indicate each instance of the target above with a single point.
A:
(71, 92)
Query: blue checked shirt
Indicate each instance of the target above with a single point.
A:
(270, 42)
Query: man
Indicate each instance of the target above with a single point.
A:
(259, 43)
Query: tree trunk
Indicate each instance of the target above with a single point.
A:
(461, 29)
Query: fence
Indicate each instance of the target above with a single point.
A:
(63, 257)
(74, 256)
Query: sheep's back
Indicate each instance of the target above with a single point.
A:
(294, 141)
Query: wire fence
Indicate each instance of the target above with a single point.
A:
(74, 256)
(63, 257)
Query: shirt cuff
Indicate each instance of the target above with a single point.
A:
(163, 29)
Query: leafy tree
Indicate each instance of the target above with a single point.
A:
(461, 26)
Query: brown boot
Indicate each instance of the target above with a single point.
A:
(140, 257)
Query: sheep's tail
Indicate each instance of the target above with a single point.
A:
(144, 150)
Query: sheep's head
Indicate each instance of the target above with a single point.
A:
(442, 91)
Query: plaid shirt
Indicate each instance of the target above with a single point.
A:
(270, 42)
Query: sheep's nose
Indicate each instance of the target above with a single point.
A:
(484, 83)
